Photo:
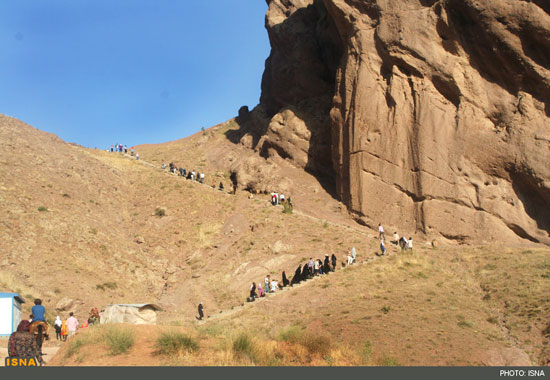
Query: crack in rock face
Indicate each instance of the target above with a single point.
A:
(424, 115)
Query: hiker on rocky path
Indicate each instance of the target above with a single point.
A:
(285, 280)
(58, 324)
(403, 243)
(382, 247)
(274, 286)
(350, 259)
(253, 294)
(354, 255)
(132, 152)
(316, 267)
(395, 238)
(201, 313)
(267, 280)
(261, 292)
(334, 262)
(23, 345)
(306, 273)
(381, 232)
(310, 265)
(221, 186)
(72, 324)
(64, 330)
(163, 166)
(326, 265)
(202, 177)
(137, 156)
(181, 172)
(297, 276)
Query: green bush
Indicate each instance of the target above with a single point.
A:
(119, 340)
(169, 343)
(160, 212)
(42, 209)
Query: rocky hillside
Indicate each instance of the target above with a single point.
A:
(431, 115)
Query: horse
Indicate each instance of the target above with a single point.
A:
(40, 330)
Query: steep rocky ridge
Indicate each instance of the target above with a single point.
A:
(430, 115)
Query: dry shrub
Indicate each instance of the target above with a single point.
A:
(314, 344)
(170, 343)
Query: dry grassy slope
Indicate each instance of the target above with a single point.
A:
(206, 249)
(99, 203)
(425, 308)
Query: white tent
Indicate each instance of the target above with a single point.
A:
(136, 314)
(10, 312)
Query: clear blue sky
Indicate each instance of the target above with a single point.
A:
(98, 72)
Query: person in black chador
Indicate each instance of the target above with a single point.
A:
(305, 272)
(297, 276)
(334, 262)
(285, 280)
(253, 291)
(201, 313)
(326, 265)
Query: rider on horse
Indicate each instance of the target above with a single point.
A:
(39, 326)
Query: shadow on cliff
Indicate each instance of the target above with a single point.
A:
(300, 73)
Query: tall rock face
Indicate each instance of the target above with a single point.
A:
(431, 116)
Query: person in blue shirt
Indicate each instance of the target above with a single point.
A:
(38, 311)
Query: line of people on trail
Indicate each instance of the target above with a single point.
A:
(26, 342)
(119, 148)
(191, 175)
(309, 270)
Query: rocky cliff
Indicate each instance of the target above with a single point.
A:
(429, 115)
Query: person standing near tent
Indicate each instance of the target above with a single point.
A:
(201, 312)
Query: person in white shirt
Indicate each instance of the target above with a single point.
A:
(395, 238)
(410, 243)
(274, 285)
(354, 255)
(381, 231)
(350, 259)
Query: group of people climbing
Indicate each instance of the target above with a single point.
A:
(191, 175)
(309, 270)
(26, 342)
(402, 242)
(277, 199)
(124, 149)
